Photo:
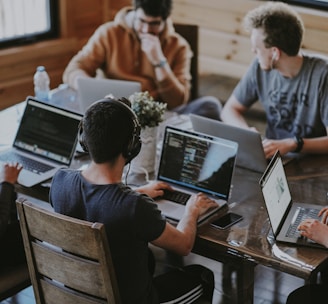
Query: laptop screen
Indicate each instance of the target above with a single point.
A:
(197, 161)
(275, 191)
(48, 131)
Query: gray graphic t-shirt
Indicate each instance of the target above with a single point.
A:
(293, 106)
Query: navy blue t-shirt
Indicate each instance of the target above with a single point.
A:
(131, 221)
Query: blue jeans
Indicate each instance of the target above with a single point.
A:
(207, 106)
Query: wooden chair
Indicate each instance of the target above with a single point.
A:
(190, 33)
(69, 260)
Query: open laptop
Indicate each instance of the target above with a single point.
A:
(194, 162)
(284, 214)
(93, 89)
(45, 141)
(250, 152)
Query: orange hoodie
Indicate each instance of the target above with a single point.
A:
(114, 48)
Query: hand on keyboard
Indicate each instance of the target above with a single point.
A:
(176, 196)
(154, 189)
(314, 230)
(324, 215)
(9, 172)
(201, 202)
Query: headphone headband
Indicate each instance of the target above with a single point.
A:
(134, 145)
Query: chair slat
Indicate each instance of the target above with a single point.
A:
(52, 226)
(54, 292)
(67, 268)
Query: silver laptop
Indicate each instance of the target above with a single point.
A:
(284, 214)
(194, 162)
(250, 152)
(93, 89)
(45, 141)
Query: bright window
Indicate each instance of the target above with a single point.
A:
(25, 21)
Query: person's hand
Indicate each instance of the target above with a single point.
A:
(314, 230)
(201, 203)
(284, 146)
(324, 215)
(154, 189)
(151, 46)
(9, 172)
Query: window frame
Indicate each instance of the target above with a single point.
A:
(309, 3)
(53, 32)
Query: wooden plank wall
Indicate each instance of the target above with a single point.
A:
(78, 20)
(224, 47)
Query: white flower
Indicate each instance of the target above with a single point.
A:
(149, 112)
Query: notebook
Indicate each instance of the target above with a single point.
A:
(284, 214)
(45, 141)
(193, 162)
(93, 89)
(250, 152)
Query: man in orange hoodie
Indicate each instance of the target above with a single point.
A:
(142, 45)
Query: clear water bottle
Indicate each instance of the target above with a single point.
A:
(41, 83)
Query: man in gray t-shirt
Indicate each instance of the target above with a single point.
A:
(291, 86)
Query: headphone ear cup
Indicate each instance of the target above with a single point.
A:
(134, 146)
(81, 138)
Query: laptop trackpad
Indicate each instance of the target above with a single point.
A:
(171, 210)
(28, 179)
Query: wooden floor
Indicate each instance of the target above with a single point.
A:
(271, 287)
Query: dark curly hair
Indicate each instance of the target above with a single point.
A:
(107, 129)
(154, 8)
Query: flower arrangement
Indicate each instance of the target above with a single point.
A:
(149, 112)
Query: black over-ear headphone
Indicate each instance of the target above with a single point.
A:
(81, 137)
(134, 145)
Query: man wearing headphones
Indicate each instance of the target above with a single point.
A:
(110, 132)
(291, 86)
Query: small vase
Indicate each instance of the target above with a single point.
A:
(144, 162)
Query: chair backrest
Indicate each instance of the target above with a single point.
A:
(69, 260)
(190, 33)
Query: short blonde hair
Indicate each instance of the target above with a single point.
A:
(282, 26)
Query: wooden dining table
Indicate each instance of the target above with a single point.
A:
(249, 242)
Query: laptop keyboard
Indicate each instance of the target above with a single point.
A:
(176, 196)
(27, 163)
(301, 214)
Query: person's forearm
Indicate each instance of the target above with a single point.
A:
(71, 75)
(315, 145)
(188, 226)
(233, 118)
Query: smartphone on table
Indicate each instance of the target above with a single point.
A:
(226, 220)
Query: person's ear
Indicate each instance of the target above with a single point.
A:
(275, 54)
